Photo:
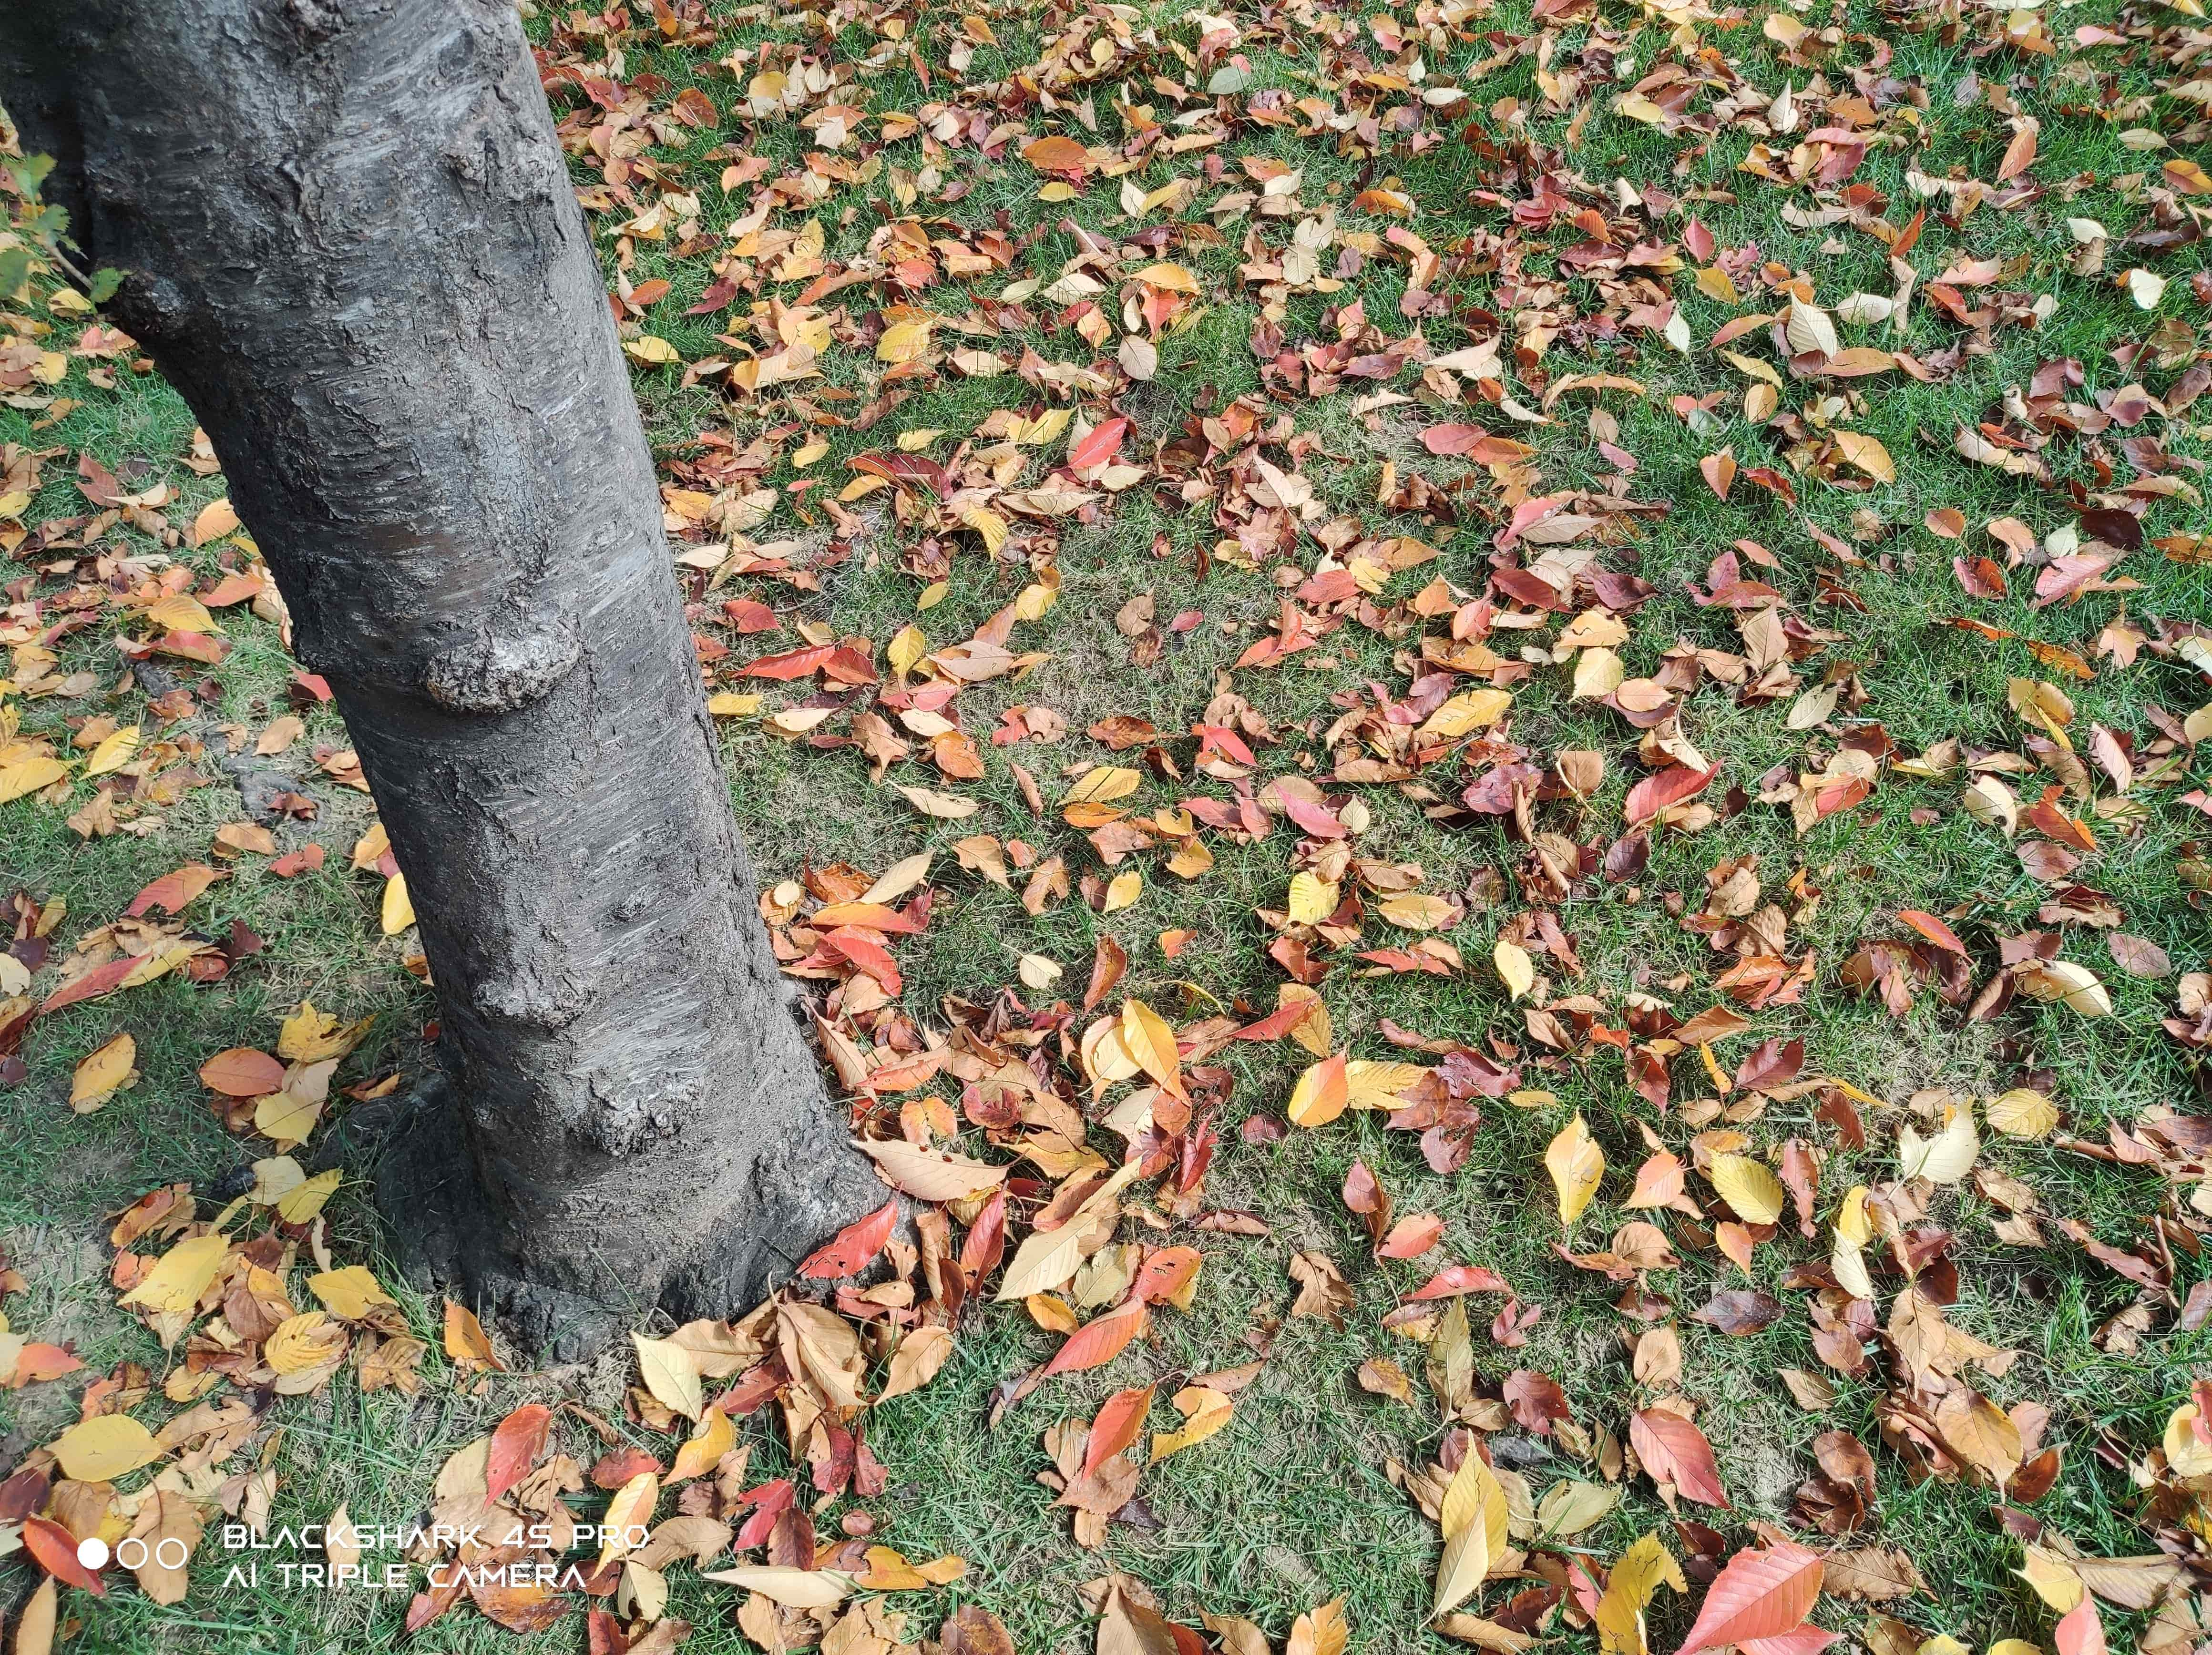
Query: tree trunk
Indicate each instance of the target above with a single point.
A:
(350, 239)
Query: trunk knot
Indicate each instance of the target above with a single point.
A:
(488, 673)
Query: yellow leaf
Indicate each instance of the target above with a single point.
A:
(1598, 673)
(903, 341)
(347, 1294)
(101, 1074)
(1147, 1038)
(2186, 1451)
(399, 913)
(1322, 1093)
(987, 524)
(652, 348)
(1416, 910)
(1629, 1589)
(793, 1588)
(1869, 456)
(175, 1284)
(1946, 1158)
(1172, 277)
(1475, 1520)
(1752, 1191)
(1373, 1084)
(631, 1508)
(1515, 968)
(908, 647)
(217, 519)
(1463, 714)
(715, 1438)
(286, 1117)
(104, 1447)
(182, 612)
(672, 1374)
(1123, 890)
(29, 775)
(1103, 785)
(1047, 1259)
(305, 1199)
(1847, 1259)
(115, 752)
(1576, 1165)
(2022, 1113)
(312, 1036)
(1205, 1410)
(2052, 1578)
(1313, 899)
(2062, 979)
(731, 704)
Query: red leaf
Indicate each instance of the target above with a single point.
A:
(1103, 442)
(1760, 1594)
(618, 1467)
(1121, 1419)
(1100, 1340)
(1771, 1063)
(1674, 1450)
(55, 1548)
(1278, 1022)
(515, 1445)
(1454, 1279)
(1672, 785)
(1933, 929)
(985, 1241)
(854, 1248)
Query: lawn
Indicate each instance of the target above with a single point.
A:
(1684, 529)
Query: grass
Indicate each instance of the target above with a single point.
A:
(1292, 1505)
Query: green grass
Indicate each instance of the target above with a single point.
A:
(1292, 1505)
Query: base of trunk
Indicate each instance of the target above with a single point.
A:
(805, 1186)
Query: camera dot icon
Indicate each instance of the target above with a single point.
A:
(93, 1553)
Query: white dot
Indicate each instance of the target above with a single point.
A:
(92, 1553)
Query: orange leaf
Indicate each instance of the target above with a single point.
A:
(1100, 1340)
(1056, 155)
(1120, 1422)
(55, 1548)
(173, 892)
(1933, 929)
(1165, 1273)
(1720, 472)
(242, 1072)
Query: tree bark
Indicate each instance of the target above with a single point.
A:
(350, 241)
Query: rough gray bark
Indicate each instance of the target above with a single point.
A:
(351, 243)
